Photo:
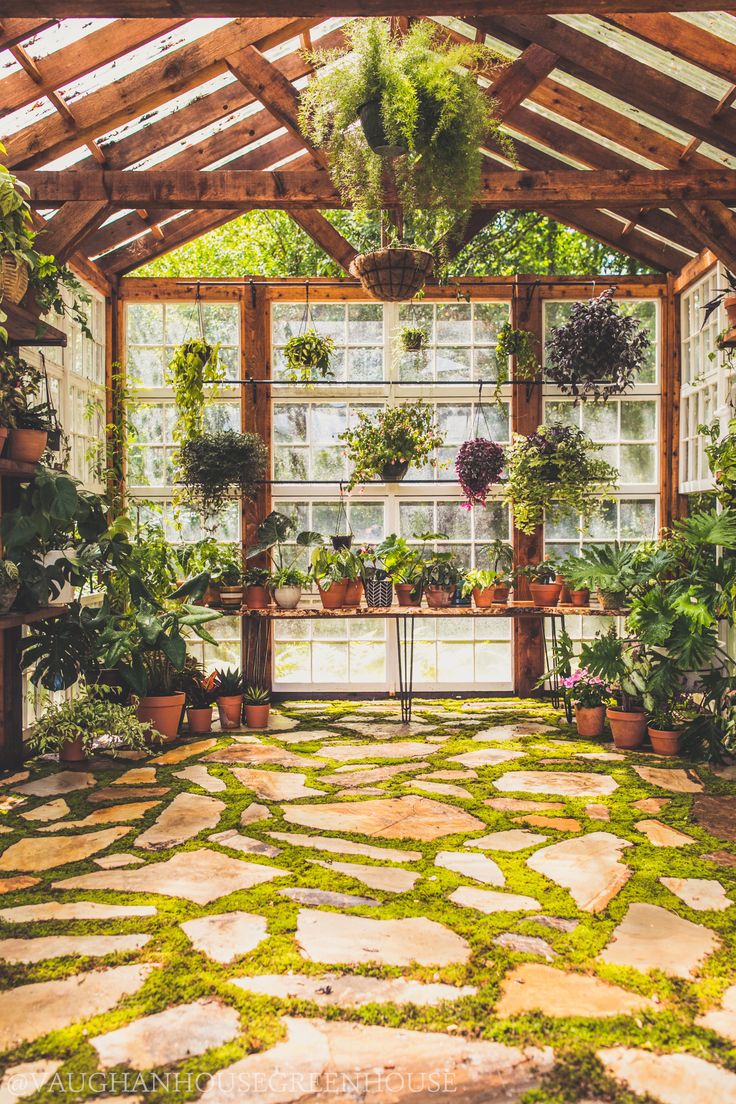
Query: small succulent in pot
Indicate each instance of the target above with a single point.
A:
(308, 357)
(257, 705)
(413, 339)
(478, 464)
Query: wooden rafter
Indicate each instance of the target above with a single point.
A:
(324, 9)
(715, 226)
(312, 188)
(13, 31)
(325, 235)
(70, 227)
(177, 233)
(604, 228)
(683, 39)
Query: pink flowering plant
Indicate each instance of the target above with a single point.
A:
(586, 690)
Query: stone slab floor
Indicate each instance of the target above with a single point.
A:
(479, 907)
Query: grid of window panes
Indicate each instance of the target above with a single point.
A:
(153, 331)
(460, 341)
(357, 330)
(702, 380)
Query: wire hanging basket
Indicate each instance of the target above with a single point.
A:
(394, 274)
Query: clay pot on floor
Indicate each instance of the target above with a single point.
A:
(627, 728)
(665, 741)
(483, 596)
(164, 712)
(27, 445)
(353, 593)
(256, 716)
(200, 720)
(580, 598)
(72, 751)
(590, 720)
(334, 596)
(438, 597)
(545, 594)
(230, 710)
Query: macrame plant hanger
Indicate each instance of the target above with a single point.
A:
(55, 433)
(343, 535)
(480, 409)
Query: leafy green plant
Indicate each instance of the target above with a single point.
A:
(405, 434)
(553, 473)
(257, 695)
(253, 576)
(92, 716)
(328, 567)
(543, 572)
(412, 339)
(200, 689)
(288, 577)
(308, 357)
(426, 91)
(156, 561)
(214, 464)
(402, 562)
(575, 571)
(612, 569)
(439, 569)
(194, 372)
(228, 682)
(46, 283)
(220, 560)
(615, 661)
(520, 344)
(721, 455)
(481, 579)
(276, 536)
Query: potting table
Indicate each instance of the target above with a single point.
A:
(257, 652)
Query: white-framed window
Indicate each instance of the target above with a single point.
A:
(705, 380)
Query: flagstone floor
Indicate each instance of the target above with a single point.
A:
(479, 906)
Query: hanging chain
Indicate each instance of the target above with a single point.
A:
(480, 409)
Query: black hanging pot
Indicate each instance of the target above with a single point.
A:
(374, 131)
(394, 471)
(343, 541)
(379, 592)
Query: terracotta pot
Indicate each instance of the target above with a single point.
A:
(256, 716)
(211, 596)
(163, 711)
(438, 597)
(500, 595)
(564, 599)
(590, 719)
(257, 597)
(483, 596)
(405, 595)
(611, 599)
(545, 594)
(666, 741)
(27, 445)
(4, 434)
(334, 596)
(580, 598)
(200, 720)
(72, 751)
(287, 597)
(353, 593)
(230, 709)
(628, 729)
(231, 597)
(729, 304)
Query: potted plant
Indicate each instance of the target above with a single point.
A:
(257, 706)
(598, 351)
(589, 694)
(617, 662)
(352, 568)
(162, 704)
(72, 727)
(17, 237)
(481, 583)
(613, 569)
(328, 569)
(194, 372)
(229, 697)
(277, 538)
(308, 357)
(9, 584)
(479, 464)
(440, 574)
(403, 565)
(544, 588)
(554, 473)
(201, 691)
(574, 571)
(257, 594)
(216, 559)
(383, 445)
(214, 464)
(412, 339)
(376, 580)
(522, 346)
(30, 433)
(287, 584)
(727, 296)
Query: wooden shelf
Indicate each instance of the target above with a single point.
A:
(27, 617)
(17, 469)
(520, 609)
(26, 328)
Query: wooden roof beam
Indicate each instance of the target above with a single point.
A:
(324, 9)
(715, 226)
(177, 233)
(69, 227)
(605, 229)
(683, 39)
(505, 188)
(321, 231)
(13, 31)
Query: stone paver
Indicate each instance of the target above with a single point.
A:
(167, 1037)
(245, 755)
(11, 885)
(513, 731)
(669, 1078)
(386, 730)
(346, 753)
(589, 867)
(182, 820)
(347, 847)
(598, 812)
(131, 793)
(352, 778)
(352, 990)
(567, 783)
(379, 1058)
(478, 867)
(662, 835)
(524, 805)
(200, 876)
(137, 776)
(236, 841)
(514, 839)
(253, 813)
(29, 1011)
(183, 752)
(63, 782)
(111, 814)
(555, 923)
(671, 778)
(73, 910)
(651, 804)
(722, 858)
(275, 785)
(418, 818)
(226, 936)
(57, 946)
(525, 944)
(701, 894)
(52, 810)
(336, 940)
(201, 777)
(312, 736)
(26, 1079)
(447, 775)
(43, 854)
(722, 1019)
(112, 862)
(391, 879)
(488, 900)
(653, 938)
(717, 814)
(441, 789)
(277, 722)
(533, 987)
(560, 824)
(316, 898)
(486, 757)
(15, 779)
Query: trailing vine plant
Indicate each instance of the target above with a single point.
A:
(194, 372)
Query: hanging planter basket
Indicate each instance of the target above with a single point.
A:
(13, 278)
(375, 132)
(479, 464)
(395, 274)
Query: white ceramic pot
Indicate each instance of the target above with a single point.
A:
(287, 597)
(66, 594)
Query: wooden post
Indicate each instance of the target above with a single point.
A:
(673, 504)
(526, 417)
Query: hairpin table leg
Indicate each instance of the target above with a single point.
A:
(405, 650)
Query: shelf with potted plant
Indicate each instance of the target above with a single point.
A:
(23, 327)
